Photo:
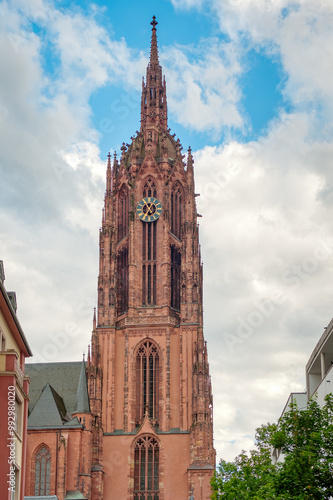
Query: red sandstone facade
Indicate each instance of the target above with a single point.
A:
(148, 376)
(68, 452)
(14, 390)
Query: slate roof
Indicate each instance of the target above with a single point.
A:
(82, 398)
(49, 410)
(63, 377)
(56, 391)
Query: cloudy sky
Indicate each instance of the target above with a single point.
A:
(249, 85)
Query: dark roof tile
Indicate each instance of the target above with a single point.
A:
(64, 378)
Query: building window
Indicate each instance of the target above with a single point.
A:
(2, 341)
(123, 210)
(147, 381)
(122, 276)
(15, 492)
(146, 465)
(175, 278)
(149, 188)
(18, 416)
(42, 471)
(176, 211)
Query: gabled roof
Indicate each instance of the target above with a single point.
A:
(64, 378)
(49, 411)
(57, 390)
(146, 427)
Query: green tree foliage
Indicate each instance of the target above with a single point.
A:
(305, 438)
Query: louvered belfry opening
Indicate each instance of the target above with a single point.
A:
(175, 278)
(122, 276)
(146, 469)
(176, 211)
(149, 251)
(123, 211)
(147, 382)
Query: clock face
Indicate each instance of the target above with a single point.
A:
(149, 209)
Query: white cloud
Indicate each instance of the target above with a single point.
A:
(299, 33)
(203, 93)
(187, 4)
(268, 264)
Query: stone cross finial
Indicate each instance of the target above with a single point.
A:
(154, 22)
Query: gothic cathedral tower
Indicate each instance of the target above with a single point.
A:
(149, 382)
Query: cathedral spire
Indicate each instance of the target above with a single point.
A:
(153, 99)
(153, 46)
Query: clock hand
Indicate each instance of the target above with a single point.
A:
(150, 208)
(145, 204)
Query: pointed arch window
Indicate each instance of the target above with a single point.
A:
(176, 210)
(123, 211)
(146, 469)
(42, 471)
(147, 381)
(149, 188)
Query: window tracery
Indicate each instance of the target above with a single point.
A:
(147, 381)
(42, 471)
(149, 188)
(146, 469)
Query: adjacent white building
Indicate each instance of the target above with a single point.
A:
(319, 378)
(301, 399)
(319, 374)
